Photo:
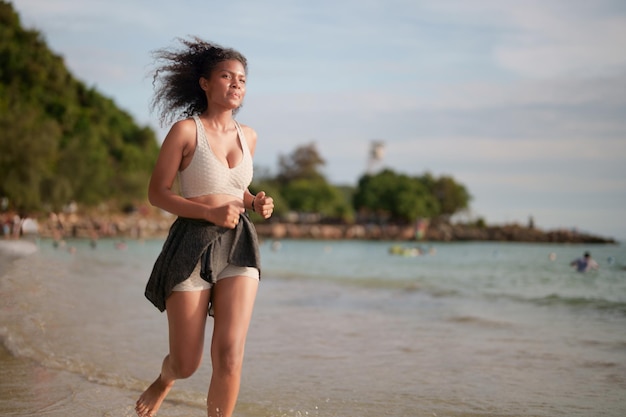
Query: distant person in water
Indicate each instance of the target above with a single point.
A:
(584, 263)
(210, 261)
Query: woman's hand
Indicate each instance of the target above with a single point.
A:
(227, 215)
(263, 205)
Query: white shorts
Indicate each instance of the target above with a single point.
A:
(196, 283)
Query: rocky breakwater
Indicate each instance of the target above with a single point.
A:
(155, 224)
(143, 224)
(436, 232)
(510, 233)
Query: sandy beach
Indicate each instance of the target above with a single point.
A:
(26, 387)
(32, 384)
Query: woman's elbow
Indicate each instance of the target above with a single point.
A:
(154, 196)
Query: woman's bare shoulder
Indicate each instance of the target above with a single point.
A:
(183, 131)
(185, 126)
(250, 135)
(248, 132)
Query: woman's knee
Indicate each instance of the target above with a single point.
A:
(228, 358)
(183, 366)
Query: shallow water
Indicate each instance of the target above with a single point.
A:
(340, 329)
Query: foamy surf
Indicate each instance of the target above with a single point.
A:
(17, 248)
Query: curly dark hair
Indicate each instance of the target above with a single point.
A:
(177, 92)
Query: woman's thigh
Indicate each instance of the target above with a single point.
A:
(233, 302)
(187, 315)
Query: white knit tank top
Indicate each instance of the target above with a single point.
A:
(208, 175)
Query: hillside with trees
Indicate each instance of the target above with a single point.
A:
(61, 140)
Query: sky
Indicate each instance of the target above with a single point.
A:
(524, 103)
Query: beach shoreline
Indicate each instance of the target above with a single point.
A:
(150, 223)
(28, 387)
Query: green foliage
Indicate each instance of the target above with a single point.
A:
(400, 198)
(316, 196)
(303, 163)
(27, 149)
(481, 223)
(59, 140)
(397, 197)
(452, 197)
(303, 188)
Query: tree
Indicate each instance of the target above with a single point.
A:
(316, 196)
(60, 140)
(403, 198)
(304, 188)
(303, 163)
(452, 197)
(27, 148)
(397, 197)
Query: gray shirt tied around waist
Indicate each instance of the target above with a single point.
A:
(190, 241)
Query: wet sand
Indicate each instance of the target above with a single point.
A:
(28, 389)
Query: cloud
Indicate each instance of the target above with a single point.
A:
(555, 43)
(548, 38)
(493, 150)
(570, 110)
(564, 91)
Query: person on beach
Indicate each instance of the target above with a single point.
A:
(584, 263)
(209, 263)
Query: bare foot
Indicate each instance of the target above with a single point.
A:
(149, 402)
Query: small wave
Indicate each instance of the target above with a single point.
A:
(17, 248)
(415, 285)
(583, 302)
(479, 321)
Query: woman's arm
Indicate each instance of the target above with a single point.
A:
(261, 203)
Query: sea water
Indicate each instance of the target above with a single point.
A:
(340, 328)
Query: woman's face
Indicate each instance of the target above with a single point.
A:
(227, 85)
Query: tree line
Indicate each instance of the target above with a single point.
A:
(62, 141)
(385, 196)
